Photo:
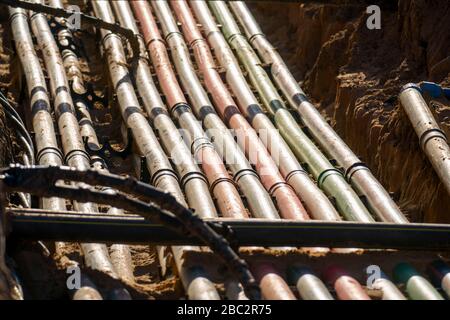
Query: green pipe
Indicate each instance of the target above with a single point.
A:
(328, 177)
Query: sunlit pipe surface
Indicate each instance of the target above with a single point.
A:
(96, 255)
(48, 152)
(247, 180)
(222, 187)
(120, 254)
(379, 201)
(347, 288)
(431, 138)
(316, 202)
(389, 290)
(287, 201)
(417, 287)
(196, 285)
(309, 286)
(329, 178)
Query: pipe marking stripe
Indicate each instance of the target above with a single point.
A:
(206, 110)
(252, 111)
(229, 112)
(299, 98)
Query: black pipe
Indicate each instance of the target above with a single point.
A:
(130, 229)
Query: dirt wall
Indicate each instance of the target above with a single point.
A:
(354, 75)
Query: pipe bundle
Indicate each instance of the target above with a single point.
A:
(216, 134)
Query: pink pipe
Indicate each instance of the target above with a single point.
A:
(273, 286)
(347, 287)
(288, 203)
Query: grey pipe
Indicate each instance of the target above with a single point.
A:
(48, 152)
(432, 139)
(379, 201)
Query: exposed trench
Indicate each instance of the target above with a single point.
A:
(353, 76)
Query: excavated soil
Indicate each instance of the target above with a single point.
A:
(353, 76)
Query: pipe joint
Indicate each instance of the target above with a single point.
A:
(49, 150)
(238, 175)
(325, 174)
(199, 143)
(411, 86)
(218, 181)
(276, 186)
(353, 168)
(77, 153)
(431, 134)
(190, 176)
(293, 173)
(180, 108)
(159, 174)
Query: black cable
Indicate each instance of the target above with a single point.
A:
(21, 131)
(40, 180)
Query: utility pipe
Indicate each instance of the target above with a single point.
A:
(361, 178)
(48, 152)
(417, 287)
(319, 207)
(257, 198)
(119, 253)
(195, 281)
(347, 287)
(226, 195)
(328, 178)
(432, 139)
(248, 140)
